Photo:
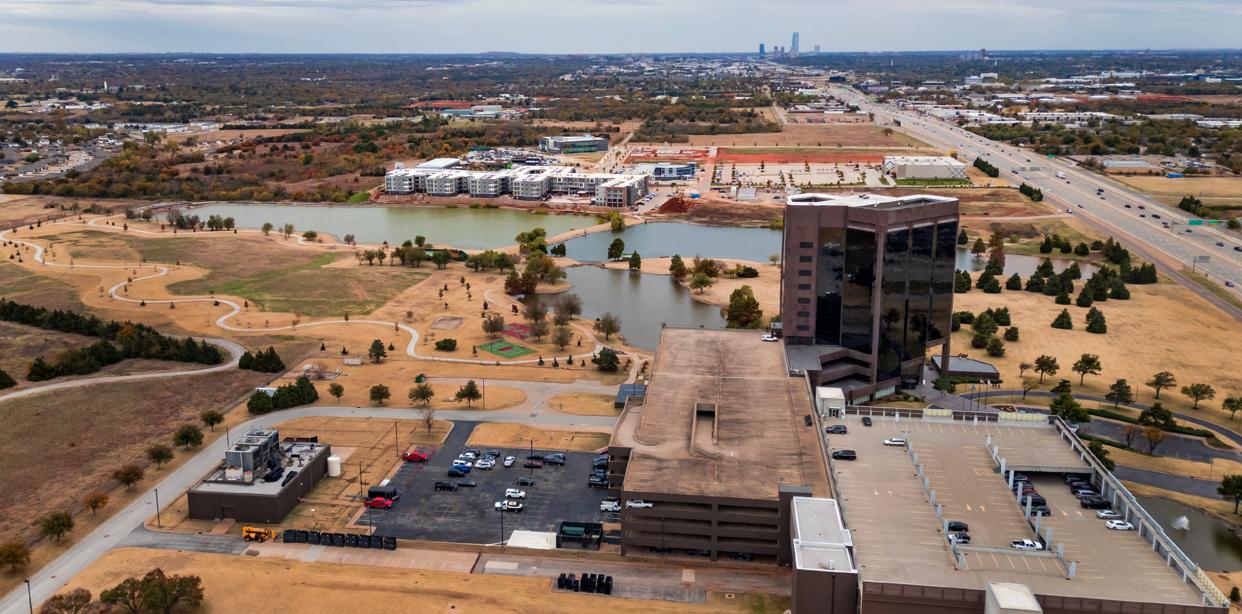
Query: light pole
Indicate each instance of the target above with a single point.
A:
(29, 597)
(157, 509)
(501, 512)
(396, 443)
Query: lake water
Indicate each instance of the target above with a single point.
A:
(661, 239)
(1209, 542)
(462, 227)
(643, 301)
(1017, 263)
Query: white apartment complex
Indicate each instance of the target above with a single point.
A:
(526, 183)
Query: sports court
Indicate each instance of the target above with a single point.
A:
(505, 349)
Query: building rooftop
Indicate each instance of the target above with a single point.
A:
(865, 200)
(820, 540)
(295, 456)
(897, 537)
(721, 417)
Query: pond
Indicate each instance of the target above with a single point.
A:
(1208, 542)
(462, 227)
(1017, 263)
(661, 239)
(643, 301)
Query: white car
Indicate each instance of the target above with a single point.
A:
(509, 506)
(771, 338)
(485, 463)
(609, 506)
(638, 503)
(509, 461)
(1107, 515)
(513, 493)
(467, 455)
(895, 441)
(462, 463)
(1026, 544)
(1119, 525)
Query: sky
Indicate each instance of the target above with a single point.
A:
(610, 26)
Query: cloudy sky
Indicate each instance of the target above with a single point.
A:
(607, 26)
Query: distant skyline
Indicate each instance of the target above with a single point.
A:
(609, 26)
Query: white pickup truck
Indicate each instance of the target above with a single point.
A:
(1060, 175)
(1025, 544)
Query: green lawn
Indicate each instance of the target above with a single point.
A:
(360, 197)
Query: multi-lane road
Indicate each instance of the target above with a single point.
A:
(1158, 232)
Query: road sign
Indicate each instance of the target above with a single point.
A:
(1214, 222)
(1203, 259)
(1194, 222)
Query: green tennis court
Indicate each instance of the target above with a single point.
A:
(505, 349)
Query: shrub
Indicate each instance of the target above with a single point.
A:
(1011, 333)
(446, 345)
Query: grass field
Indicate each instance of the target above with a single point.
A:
(508, 435)
(260, 270)
(814, 135)
(1213, 287)
(505, 349)
(360, 197)
(1219, 187)
(245, 584)
(934, 182)
(585, 404)
(18, 284)
(75, 438)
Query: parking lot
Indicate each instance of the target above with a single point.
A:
(467, 514)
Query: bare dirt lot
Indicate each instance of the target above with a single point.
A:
(507, 435)
(814, 135)
(796, 155)
(1199, 186)
(230, 585)
(584, 404)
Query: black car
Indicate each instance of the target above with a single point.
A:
(554, 459)
(957, 526)
(449, 486)
(597, 482)
(466, 484)
(866, 420)
(836, 429)
(845, 455)
(537, 457)
(526, 481)
(1041, 510)
(807, 419)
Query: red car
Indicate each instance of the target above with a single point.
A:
(379, 503)
(415, 456)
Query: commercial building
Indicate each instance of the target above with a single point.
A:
(260, 480)
(573, 144)
(668, 171)
(887, 549)
(924, 167)
(867, 288)
(715, 448)
(527, 183)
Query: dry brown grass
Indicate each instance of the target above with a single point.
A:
(1163, 327)
(1220, 187)
(231, 584)
(584, 404)
(813, 135)
(509, 435)
(1175, 466)
(19, 284)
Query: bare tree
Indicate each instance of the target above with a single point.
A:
(428, 416)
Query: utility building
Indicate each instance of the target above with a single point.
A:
(924, 167)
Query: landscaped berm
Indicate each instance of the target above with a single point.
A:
(505, 349)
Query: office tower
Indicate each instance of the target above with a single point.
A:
(816, 49)
(867, 287)
(760, 49)
(793, 46)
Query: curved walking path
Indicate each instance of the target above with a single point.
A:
(234, 309)
(235, 351)
(1229, 434)
(58, 574)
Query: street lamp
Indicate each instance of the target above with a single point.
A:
(157, 509)
(29, 597)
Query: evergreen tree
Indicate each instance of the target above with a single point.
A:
(6, 380)
(1063, 320)
(1014, 282)
(1084, 298)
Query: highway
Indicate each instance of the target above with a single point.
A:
(1113, 208)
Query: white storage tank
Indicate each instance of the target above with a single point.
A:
(334, 466)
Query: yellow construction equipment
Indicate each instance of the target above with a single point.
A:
(255, 534)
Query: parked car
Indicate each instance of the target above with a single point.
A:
(609, 506)
(638, 503)
(485, 464)
(525, 480)
(449, 486)
(1094, 503)
(464, 468)
(895, 441)
(960, 538)
(514, 493)
(379, 503)
(509, 505)
(1085, 492)
(537, 457)
(807, 419)
(466, 483)
(770, 338)
(1025, 544)
(741, 556)
(957, 526)
(866, 420)
(1119, 525)
(533, 464)
(414, 456)
(461, 462)
(555, 459)
(456, 472)
(1107, 515)
(844, 455)
(468, 455)
(1041, 510)
(509, 461)
(597, 482)
(837, 429)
